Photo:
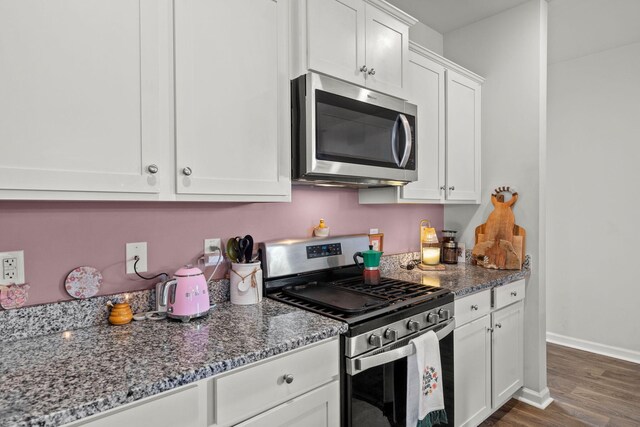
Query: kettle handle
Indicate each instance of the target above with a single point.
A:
(165, 290)
(355, 259)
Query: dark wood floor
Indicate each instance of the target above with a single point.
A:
(588, 390)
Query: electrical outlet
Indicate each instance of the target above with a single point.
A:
(209, 244)
(212, 256)
(12, 267)
(138, 249)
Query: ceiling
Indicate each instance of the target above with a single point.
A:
(448, 15)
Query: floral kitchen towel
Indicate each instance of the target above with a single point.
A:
(425, 400)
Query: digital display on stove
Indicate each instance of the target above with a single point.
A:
(319, 251)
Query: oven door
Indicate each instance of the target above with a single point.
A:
(375, 384)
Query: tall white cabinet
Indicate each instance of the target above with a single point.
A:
(365, 42)
(448, 134)
(84, 96)
(488, 351)
(232, 98)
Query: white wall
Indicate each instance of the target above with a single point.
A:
(509, 50)
(593, 176)
(427, 37)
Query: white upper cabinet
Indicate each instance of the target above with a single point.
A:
(448, 134)
(336, 38)
(365, 42)
(232, 100)
(84, 98)
(463, 138)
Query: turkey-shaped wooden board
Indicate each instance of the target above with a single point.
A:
(500, 243)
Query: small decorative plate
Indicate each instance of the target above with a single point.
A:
(83, 282)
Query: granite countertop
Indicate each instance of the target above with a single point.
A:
(55, 379)
(461, 279)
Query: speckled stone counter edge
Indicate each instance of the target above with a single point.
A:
(45, 319)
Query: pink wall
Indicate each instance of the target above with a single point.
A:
(59, 236)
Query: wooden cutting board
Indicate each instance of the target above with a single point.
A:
(500, 242)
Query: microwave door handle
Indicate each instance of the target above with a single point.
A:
(408, 140)
(394, 139)
(362, 364)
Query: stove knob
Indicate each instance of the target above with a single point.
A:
(375, 340)
(412, 325)
(433, 318)
(391, 334)
(444, 314)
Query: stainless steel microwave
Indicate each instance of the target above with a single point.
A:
(346, 135)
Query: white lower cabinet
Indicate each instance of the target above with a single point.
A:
(298, 388)
(472, 372)
(507, 366)
(318, 408)
(489, 353)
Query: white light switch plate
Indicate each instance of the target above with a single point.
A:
(12, 267)
(139, 249)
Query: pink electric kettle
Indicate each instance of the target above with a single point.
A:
(186, 295)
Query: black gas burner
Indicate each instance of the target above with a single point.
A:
(352, 301)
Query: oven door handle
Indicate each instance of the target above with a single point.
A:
(362, 364)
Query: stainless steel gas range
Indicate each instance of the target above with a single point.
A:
(319, 275)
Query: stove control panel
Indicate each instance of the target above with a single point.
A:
(395, 331)
(318, 251)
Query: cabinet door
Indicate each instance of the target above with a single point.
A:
(336, 41)
(426, 83)
(232, 99)
(84, 95)
(508, 357)
(318, 408)
(387, 53)
(472, 367)
(463, 138)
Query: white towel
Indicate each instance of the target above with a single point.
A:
(425, 400)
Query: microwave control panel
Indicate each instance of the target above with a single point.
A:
(319, 251)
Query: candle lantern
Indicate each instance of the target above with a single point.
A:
(429, 246)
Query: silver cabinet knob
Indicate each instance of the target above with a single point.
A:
(433, 318)
(375, 340)
(372, 72)
(444, 314)
(391, 334)
(288, 378)
(514, 294)
(452, 188)
(489, 330)
(187, 171)
(443, 188)
(152, 169)
(363, 68)
(474, 307)
(412, 325)
(498, 325)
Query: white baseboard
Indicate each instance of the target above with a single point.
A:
(539, 400)
(603, 349)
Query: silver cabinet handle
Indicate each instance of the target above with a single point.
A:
(187, 171)
(288, 378)
(443, 188)
(514, 294)
(498, 325)
(452, 188)
(363, 68)
(152, 169)
(372, 72)
(489, 330)
(474, 307)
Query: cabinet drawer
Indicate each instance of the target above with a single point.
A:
(508, 294)
(472, 307)
(246, 392)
